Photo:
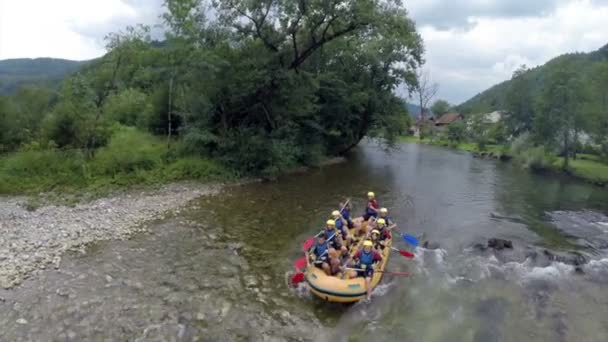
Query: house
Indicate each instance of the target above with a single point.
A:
(447, 119)
(417, 127)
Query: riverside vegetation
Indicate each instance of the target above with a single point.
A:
(557, 118)
(263, 87)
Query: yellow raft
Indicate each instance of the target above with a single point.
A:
(338, 288)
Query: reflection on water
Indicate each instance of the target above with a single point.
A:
(218, 272)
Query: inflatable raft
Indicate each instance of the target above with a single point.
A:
(340, 288)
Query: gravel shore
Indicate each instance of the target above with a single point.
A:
(31, 240)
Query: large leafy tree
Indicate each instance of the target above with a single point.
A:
(520, 103)
(561, 110)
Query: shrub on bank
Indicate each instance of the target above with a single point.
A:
(41, 170)
(128, 151)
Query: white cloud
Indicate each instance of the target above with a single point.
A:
(72, 29)
(468, 60)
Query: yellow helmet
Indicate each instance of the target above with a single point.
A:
(384, 211)
(335, 213)
(376, 231)
(368, 243)
(330, 223)
(381, 222)
(371, 194)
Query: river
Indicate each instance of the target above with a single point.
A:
(217, 271)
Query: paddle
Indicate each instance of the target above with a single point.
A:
(387, 272)
(302, 263)
(311, 242)
(403, 253)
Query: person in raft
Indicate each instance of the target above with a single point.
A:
(389, 220)
(320, 254)
(375, 237)
(385, 233)
(373, 208)
(342, 227)
(345, 213)
(365, 261)
(371, 211)
(335, 242)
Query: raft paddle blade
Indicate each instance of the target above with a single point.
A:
(308, 244)
(300, 264)
(410, 239)
(407, 254)
(297, 278)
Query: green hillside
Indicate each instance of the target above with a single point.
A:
(15, 73)
(495, 97)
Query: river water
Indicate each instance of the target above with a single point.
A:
(217, 271)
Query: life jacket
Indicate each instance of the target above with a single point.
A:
(321, 249)
(340, 227)
(373, 203)
(346, 214)
(367, 258)
(384, 233)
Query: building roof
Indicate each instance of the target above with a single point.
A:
(448, 118)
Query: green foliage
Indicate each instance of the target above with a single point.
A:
(128, 151)
(440, 107)
(131, 107)
(536, 158)
(260, 86)
(41, 170)
(456, 132)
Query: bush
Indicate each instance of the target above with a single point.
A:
(536, 159)
(128, 151)
(36, 170)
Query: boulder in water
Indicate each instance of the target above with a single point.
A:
(569, 258)
(431, 245)
(500, 244)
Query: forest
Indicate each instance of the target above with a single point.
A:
(234, 88)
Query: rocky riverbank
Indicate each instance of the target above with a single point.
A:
(33, 240)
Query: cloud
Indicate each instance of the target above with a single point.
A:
(466, 61)
(72, 29)
(446, 15)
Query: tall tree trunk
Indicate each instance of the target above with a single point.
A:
(169, 112)
(566, 149)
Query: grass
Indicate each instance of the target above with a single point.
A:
(463, 146)
(131, 158)
(587, 167)
(590, 169)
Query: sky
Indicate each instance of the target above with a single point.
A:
(470, 44)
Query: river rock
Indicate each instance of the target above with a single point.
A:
(431, 245)
(500, 244)
(570, 258)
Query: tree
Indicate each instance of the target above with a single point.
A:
(520, 103)
(457, 132)
(561, 107)
(599, 111)
(440, 107)
(425, 91)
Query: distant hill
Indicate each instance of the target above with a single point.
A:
(414, 110)
(494, 98)
(15, 73)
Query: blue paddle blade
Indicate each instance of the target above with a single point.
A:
(410, 239)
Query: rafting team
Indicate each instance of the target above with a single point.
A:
(333, 241)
